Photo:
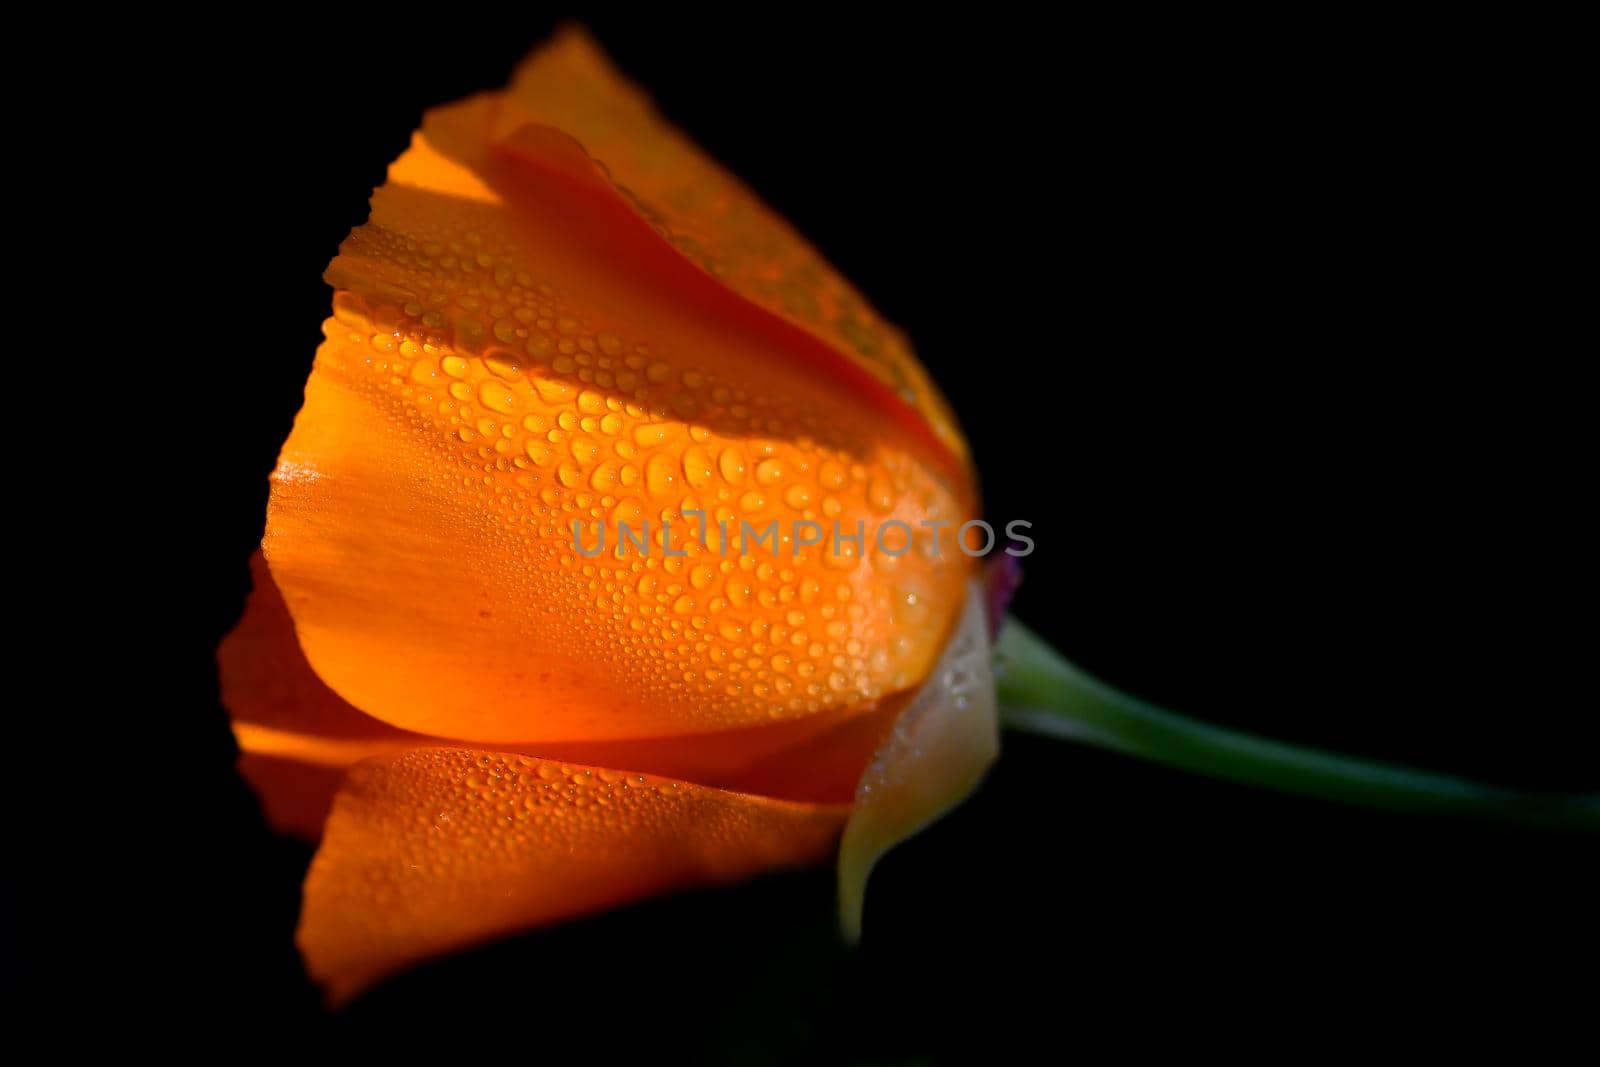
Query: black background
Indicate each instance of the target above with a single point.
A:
(1181, 282)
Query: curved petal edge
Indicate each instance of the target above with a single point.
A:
(937, 753)
(439, 849)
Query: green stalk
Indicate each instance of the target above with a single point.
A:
(1042, 693)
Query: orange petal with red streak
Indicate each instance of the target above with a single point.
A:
(710, 217)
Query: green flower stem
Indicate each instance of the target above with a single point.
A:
(1042, 693)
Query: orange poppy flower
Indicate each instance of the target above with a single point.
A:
(561, 323)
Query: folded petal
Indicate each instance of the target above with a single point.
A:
(936, 754)
(297, 737)
(438, 849)
(712, 218)
(515, 349)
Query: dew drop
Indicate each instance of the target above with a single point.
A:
(652, 434)
(552, 391)
(660, 475)
(697, 469)
(498, 396)
(732, 465)
(507, 365)
(769, 472)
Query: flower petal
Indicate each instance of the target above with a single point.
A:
(712, 218)
(438, 849)
(297, 737)
(515, 349)
(937, 753)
